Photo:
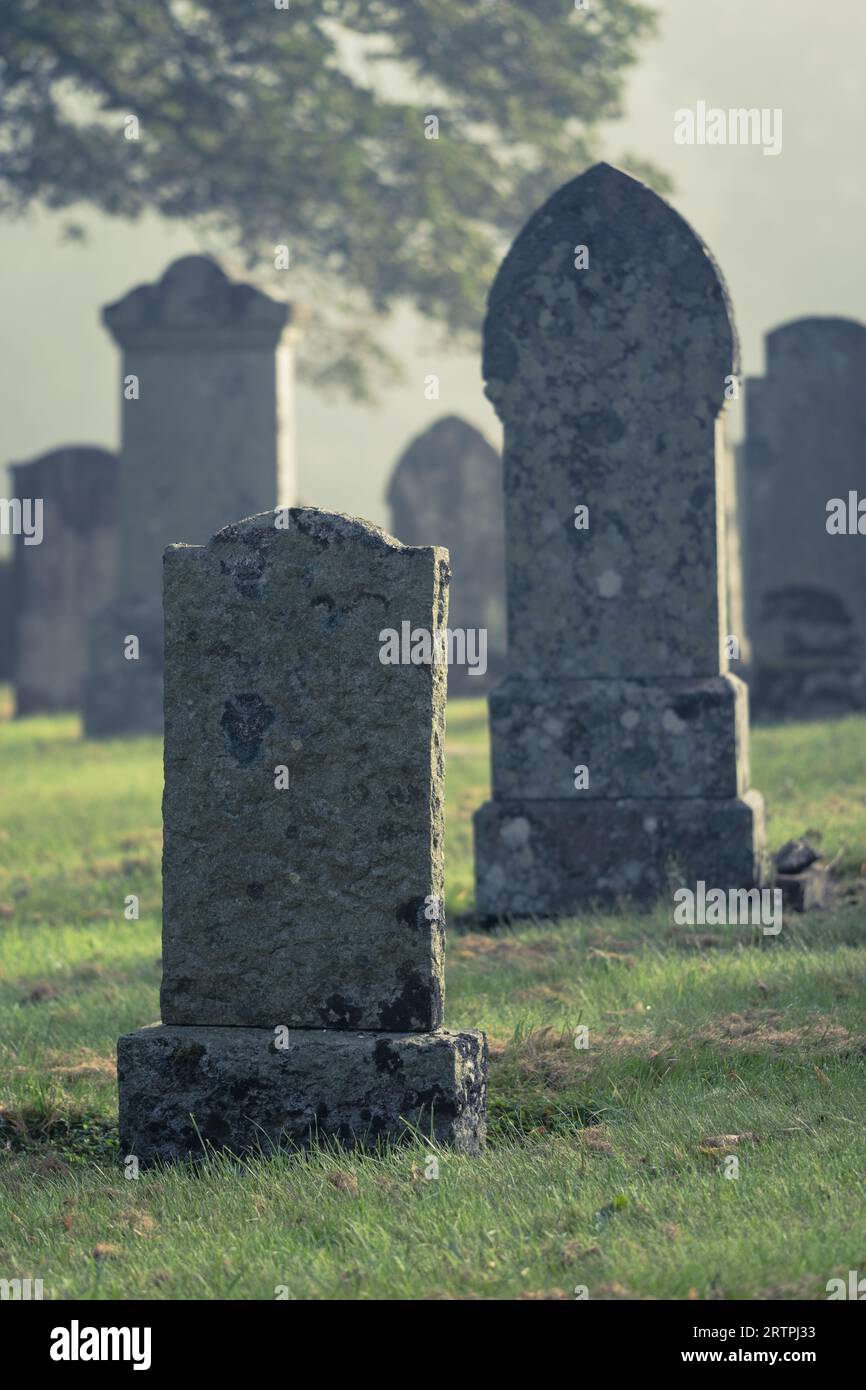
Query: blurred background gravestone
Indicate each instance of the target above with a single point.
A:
(805, 588)
(60, 583)
(619, 740)
(7, 620)
(446, 489)
(206, 436)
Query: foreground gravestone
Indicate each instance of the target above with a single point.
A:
(303, 929)
(619, 741)
(62, 579)
(446, 489)
(206, 436)
(806, 584)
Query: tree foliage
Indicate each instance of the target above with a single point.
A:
(305, 126)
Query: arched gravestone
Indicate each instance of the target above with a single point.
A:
(806, 588)
(609, 381)
(206, 437)
(63, 581)
(446, 489)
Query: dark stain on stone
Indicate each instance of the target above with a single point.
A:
(220, 649)
(186, 1061)
(246, 572)
(192, 637)
(405, 793)
(244, 720)
(386, 1058)
(366, 593)
(306, 529)
(601, 427)
(256, 890)
(215, 1128)
(412, 1008)
(348, 1015)
(411, 913)
(693, 706)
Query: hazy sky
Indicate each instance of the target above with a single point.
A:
(788, 233)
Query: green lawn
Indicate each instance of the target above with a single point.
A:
(606, 1165)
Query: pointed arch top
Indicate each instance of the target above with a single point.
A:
(646, 325)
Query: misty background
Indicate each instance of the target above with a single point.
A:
(787, 232)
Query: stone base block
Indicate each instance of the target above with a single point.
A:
(554, 858)
(124, 696)
(187, 1089)
(637, 738)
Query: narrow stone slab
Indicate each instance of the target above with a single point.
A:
(186, 1090)
(806, 584)
(61, 582)
(317, 903)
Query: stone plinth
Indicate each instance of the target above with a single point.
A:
(186, 1090)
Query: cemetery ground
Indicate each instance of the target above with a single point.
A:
(605, 1165)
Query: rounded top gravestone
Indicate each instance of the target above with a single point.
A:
(829, 343)
(608, 341)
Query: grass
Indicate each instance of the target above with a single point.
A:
(605, 1168)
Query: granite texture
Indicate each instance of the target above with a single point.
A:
(638, 738)
(184, 1091)
(319, 905)
(805, 588)
(610, 382)
(556, 858)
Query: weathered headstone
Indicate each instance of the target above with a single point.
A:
(619, 741)
(206, 436)
(806, 585)
(447, 490)
(63, 574)
(303, 927)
